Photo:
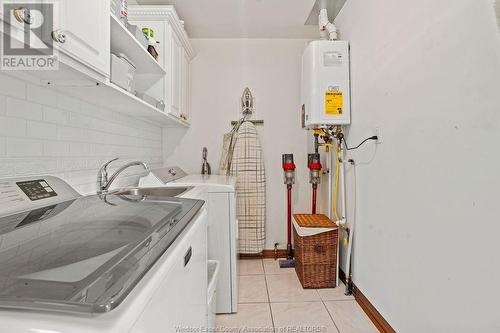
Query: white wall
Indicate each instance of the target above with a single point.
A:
(428, 73)
(44, 132)
(271, 69)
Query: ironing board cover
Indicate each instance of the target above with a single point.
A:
(248, 167)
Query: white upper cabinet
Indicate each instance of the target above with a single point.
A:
(176, 57)
(86, 34)
(81, 31)
(185, 86)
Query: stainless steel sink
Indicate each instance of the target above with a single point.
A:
(152, 191)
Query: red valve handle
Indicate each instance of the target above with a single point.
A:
(314, 166)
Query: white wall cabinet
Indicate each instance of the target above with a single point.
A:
(84, 25)
(177, 56)
(185, 86)
(89, 33)
(180, 80)
(81, 34)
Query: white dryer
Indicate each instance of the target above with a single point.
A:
(219, 194)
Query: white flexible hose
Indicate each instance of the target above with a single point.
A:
(342, 187)
(351, 230)
(343, 196)
(330, 205)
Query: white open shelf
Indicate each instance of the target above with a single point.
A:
(115, 98)
(69, 81)
(147, 72)
(122, 41)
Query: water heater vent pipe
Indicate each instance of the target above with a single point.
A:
(326, 25)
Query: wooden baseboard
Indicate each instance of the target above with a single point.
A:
(266, 254)
(372, 313)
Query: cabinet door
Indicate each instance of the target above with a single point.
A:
(176, 68)
(185, 78)
(87, 29)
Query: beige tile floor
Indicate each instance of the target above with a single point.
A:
(271, 299)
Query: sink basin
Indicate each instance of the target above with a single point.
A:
(152, 191)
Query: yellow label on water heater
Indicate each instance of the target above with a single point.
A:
(334, 103)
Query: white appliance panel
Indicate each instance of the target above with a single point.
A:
(184, 286)
(325, 86)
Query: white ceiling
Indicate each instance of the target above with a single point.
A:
(243, 18)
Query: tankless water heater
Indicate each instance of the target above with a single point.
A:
(325, 84)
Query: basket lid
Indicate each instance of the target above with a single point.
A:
(314, 221)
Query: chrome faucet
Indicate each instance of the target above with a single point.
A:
(103, 183)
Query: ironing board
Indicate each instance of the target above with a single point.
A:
(248, 167)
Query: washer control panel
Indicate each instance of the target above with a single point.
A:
(37, 189)
(25, 194)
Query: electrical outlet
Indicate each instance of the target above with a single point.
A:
(378, 133)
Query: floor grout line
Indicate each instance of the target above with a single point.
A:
(253, 302)
(269, 299)
(333, 320)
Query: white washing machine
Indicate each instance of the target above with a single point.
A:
(219, 193)
(86, 264)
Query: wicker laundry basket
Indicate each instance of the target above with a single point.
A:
(316, 255)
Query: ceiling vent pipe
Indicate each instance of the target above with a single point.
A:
(325, 26)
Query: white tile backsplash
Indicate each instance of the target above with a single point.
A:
(23, 109)
(68, 103)
(56, 149)
(10, 86)
(45, 132)
(41, 95)
(23, 147)
(10, 167)
(2, 105)
(54, 115)
(12, 127)
(41, 130)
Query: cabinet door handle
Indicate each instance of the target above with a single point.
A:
(23, 15)
(59, 36)
(187, 256)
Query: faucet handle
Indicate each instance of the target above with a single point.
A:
(102, 176)
(105, 166)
